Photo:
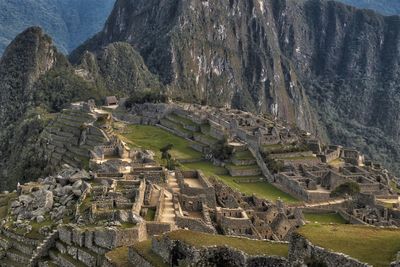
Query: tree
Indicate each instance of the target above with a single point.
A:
(165, 155)
(146, 96)
(222, 150)
(348, 188)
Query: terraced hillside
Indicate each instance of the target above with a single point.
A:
(71, 137)
(192, 142)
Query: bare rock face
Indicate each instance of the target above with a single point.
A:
(43, 199)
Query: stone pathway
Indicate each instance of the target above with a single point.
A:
(168, 215)
(172, 183)
(169, 211)
(325, 203)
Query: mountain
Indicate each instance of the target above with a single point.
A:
(386, 7)
(69, 22)
(36, 81)
(330, 68)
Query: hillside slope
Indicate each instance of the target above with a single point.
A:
(69, 22)
(330, 68)
(386, 7)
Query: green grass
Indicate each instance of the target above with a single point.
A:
(242, 167)
(243, 155)
(371, 245)
(119, 257)
(251, 247)
(34, 234)
(297, 158)
(324, 218)
(261, 189)
(5, 203)
(205, 128)
(154, 138)
(150, 215)
(207, 137)
(182, 120)
(144, 250)
(394, 187)
(178, 126)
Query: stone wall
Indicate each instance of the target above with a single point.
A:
(237, 172)
(302, 251)
(177, 253)
(157, 228)
(193, 224)
(136, 259)
(350, 218)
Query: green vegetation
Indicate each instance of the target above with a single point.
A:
(70, 22)
(146, 96)
(284, 148)
(348, 188)
(394, 187)
(5, 202)
(58, 88)
(261, 189)
(251, 247)
(242, 167)
(221, 150)
(154, 138)
(324, 218)
(166, 156)
(298, 158)
(183, 120)
(34, 234)
(243, 155)
(144, 250)
(119, 257)
(372, 245)
(150, 215)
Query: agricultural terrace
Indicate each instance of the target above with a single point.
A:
(324, 218)
(251, 247)
(372, 245)
(154, 138)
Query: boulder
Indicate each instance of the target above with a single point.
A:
(25, 200)
(80, 175)
(77, 185)
(67, 189)
(77, 192)
(123, 216)
(15, 204)
(43, 199)
(40, 219)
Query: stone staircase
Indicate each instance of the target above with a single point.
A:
(72, 255)
(43, 249)
(16, 252)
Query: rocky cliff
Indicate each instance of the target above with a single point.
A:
(328, 67)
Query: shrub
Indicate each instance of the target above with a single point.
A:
(222, 150)
(348, 188)
(147, 96)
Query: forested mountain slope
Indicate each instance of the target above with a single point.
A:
(69, 22)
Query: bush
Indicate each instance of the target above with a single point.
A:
(146, 96)
(222, 150)
(348, 188)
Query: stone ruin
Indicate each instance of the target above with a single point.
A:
(128, 197)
